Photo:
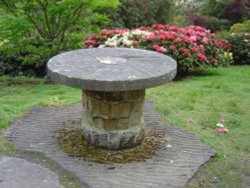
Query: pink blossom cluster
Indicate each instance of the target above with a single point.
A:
(159, 48)
(96, 40)
(192, 47)
(190, 40)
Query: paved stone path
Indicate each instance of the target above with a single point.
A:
(172, 165)
(19, 173)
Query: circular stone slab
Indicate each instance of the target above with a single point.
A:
(112, 69)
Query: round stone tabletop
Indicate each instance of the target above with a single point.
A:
(112, 69)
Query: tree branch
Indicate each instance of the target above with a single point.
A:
(71, 19)
(59, 21)
(9, 6)
(41, 33)
(44, 7)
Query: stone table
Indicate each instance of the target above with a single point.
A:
(113, 81)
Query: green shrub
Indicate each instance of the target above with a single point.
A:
(223, 34)
(12, 65)
(210, 22)
(240, 47)
(25, 57)
(215, 24)
(232, 10)
(28, 56)
(213, 7)
(241, 27)
(181, 21)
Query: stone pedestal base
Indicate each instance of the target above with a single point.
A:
(113, 120)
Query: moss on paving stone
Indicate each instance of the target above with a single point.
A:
(73, 142)
(6, 147)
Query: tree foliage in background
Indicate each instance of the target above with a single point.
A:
(200, 12)
(36, 30)
(215, 15)
(52, 19)
(181, 21)
(232, 10)
(187, 6)
(134, 13)
(236, 11)
(213, 7)
(212, 23)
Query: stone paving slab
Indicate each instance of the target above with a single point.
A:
(19, 173)
(172, 166)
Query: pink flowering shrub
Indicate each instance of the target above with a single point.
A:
(192, 47)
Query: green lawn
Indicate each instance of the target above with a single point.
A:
(205, 97)
(219, 93)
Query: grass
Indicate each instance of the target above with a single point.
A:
(205, 97)
(220, 93)
(17, 95)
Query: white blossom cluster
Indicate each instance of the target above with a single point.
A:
(125, 39)
(189, 4)
(3, 42)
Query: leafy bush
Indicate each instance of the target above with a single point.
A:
(25, 57)
(232, 10)
(192, 47)
(241, 27)
(181, 21)
(213, 7)
(236, 10)
(240, 47)
(12, 65)
(209, 22)
(28, 56)
(134, 13)
(223, 34)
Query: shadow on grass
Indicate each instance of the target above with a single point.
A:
(20, 80)
(197, 73)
